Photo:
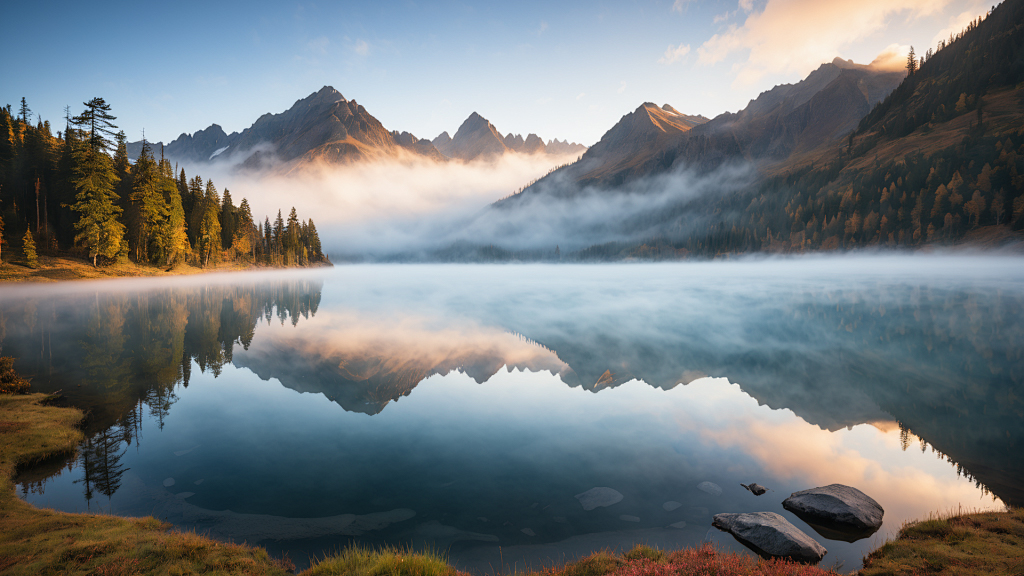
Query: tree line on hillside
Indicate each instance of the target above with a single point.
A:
(69, 194)
(860, 197)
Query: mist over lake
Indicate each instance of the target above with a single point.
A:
(469, 407)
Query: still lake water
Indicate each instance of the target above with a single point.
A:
(464, 407)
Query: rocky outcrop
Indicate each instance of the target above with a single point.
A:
(836, 511)
(770, 535)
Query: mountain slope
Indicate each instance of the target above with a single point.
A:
(323, 127)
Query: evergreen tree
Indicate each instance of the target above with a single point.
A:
(245, 235)
(209, 238)
(146, 205)
(29, 248)
(227, 220)
(911, 62)
(171, 239)
(98, 228)
(123, 168)
(97, 122)
(24, 112)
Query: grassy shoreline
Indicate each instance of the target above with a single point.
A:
(39, 541)
(62, 268)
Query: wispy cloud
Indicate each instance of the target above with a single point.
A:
(581, 95)
(622, 88)
(543, 26)
(362, 47)
(674, 54)
(679, 5)
(318, 45)
(798, 35)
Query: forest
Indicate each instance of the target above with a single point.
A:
(68, 195)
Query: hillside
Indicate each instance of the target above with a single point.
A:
(851, 156)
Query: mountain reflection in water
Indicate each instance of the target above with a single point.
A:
(929, 357)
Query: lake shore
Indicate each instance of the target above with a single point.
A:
(64, 268)
(37, 541)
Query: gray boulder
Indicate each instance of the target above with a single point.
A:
(836, 511)
(770, 535)
(754, 488)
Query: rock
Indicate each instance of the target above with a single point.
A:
(168, 482)
(710, 488)
(770, 535)
(598, 497)
(198, 482)
(184, 495)
(755, 488)
(837, 512)
(628, 518)
(528, 532)
(671, 505)
(680, 524)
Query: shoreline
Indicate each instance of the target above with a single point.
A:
(53, 269)
(40, 541)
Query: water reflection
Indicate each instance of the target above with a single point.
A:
(899, 387)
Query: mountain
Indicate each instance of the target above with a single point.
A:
(478, 138)
(324, 127)
(852, 156)
(788, 119)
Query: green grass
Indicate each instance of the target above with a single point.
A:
(974, 544)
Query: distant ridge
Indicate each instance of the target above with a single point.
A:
(478, 138)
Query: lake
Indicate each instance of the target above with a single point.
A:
(469, 408)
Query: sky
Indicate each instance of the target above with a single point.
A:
(567, 70)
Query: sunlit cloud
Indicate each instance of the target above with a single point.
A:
(790, 36)
(674, 54)
(893, 58)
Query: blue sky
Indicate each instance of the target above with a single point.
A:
(559, 69)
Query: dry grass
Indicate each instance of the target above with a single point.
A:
(356, 561)
(702, 561)
(973, 544)
(57, 268)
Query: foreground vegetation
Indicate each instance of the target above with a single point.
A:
(982, 544)
(35, 541)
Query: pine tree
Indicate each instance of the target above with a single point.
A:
(209, 239)
(98, 228)
(227, 220)
(146, 205)
(911, 62)
(29, 247)
(24, 112)
(98, 124)
(291, 240)
(171, 238)
(123, 167)
(244, 239)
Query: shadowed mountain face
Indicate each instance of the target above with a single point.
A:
(788, 119)
(324, 127)
(478, 138)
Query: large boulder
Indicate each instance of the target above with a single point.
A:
(771, 536)
(837, 512)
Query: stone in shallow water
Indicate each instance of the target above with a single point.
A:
(837, 512)
(198, 482)
(680, 524)
(671, 505)
(559, 519)
(770, 535)
(710, 488)
(598, 497)
(528, 532)
(755, 488)
(168, 482)
(628, 518)
(184, 495)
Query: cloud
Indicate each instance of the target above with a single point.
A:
(543, 26)
(362, 47)
(622, 88)
(893, 58)
(679, 5)
(581, 95)
(318, 45)
(674, 53)
(790, 36)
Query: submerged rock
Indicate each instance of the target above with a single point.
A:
(168, 482)
(599, 497)
(837, 512)
(755, 488)
(628, 518)
(770, 535)
(671, 505)
(528, 532)
(680, 524)
(710, 488)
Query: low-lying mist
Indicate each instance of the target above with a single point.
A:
(412, 207)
